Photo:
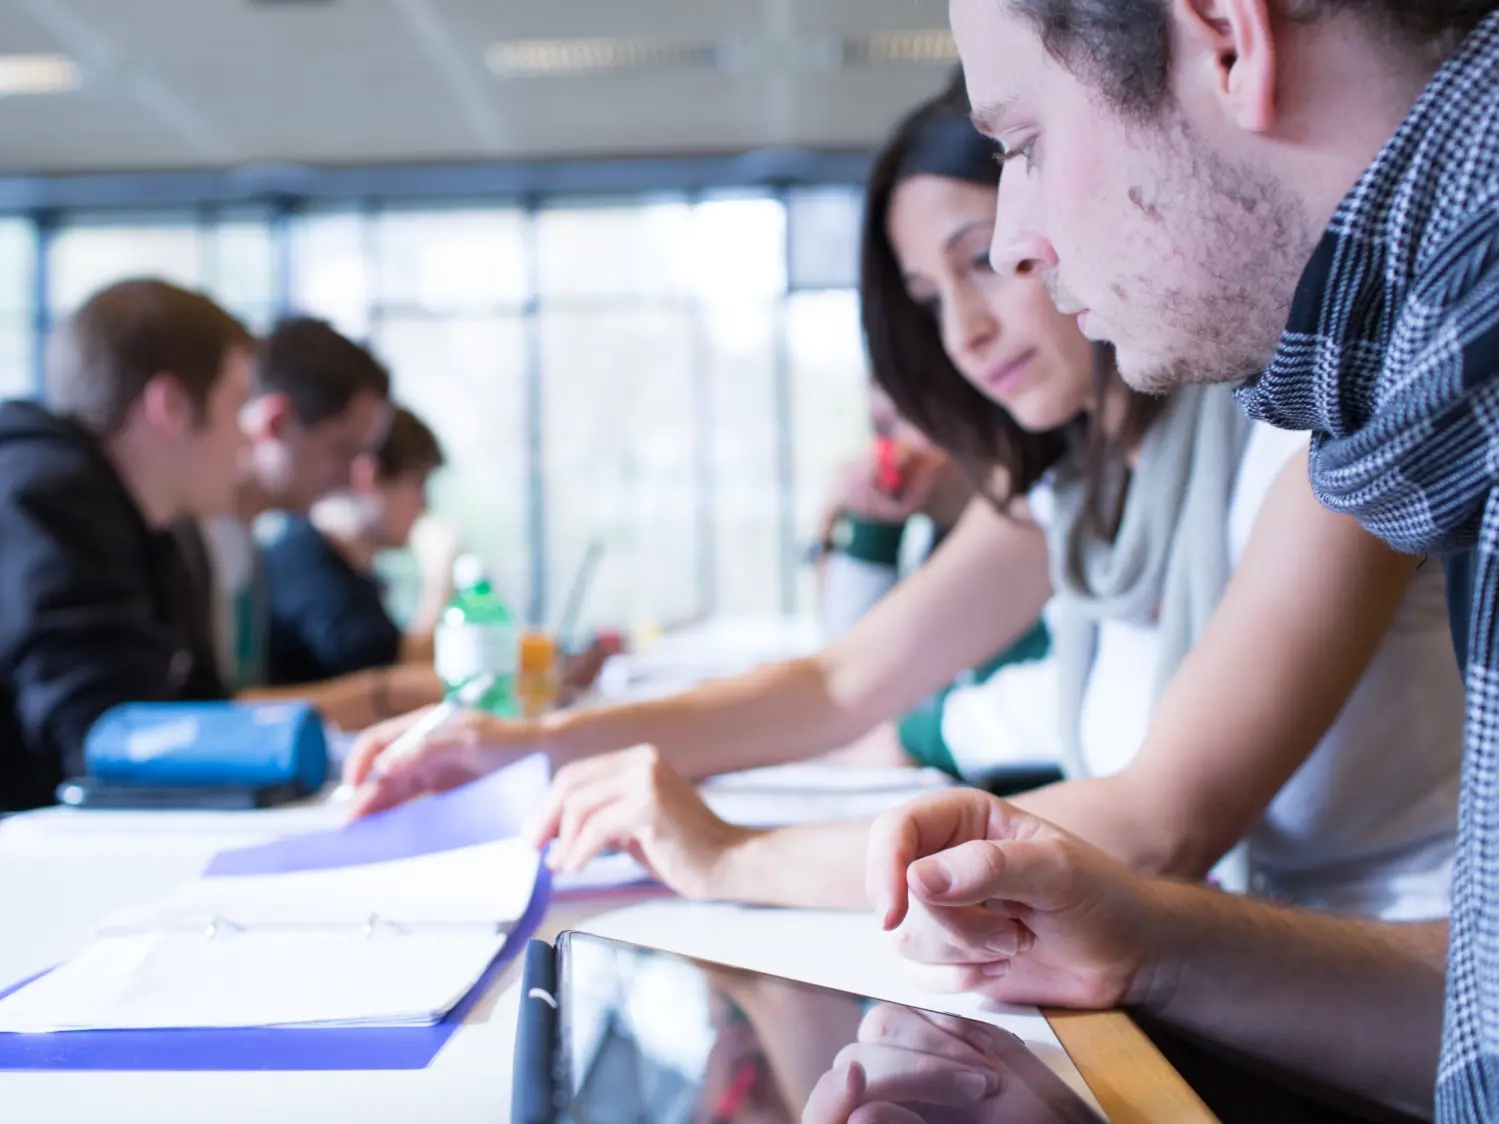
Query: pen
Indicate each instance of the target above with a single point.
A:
(467, 695)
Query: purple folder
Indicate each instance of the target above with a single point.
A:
(491, 808)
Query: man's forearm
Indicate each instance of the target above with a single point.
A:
(1352, 1003)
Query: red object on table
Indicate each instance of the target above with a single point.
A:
(610, 640)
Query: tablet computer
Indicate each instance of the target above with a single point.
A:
(616, 1033)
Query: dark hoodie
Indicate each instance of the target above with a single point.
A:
(96, 609)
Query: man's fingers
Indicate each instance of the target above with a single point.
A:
(923, 827)
(944, 965)
(1032, 872)
(960, 979)
(960, 935)
(934, 943)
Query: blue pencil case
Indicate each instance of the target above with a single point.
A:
(218, 754)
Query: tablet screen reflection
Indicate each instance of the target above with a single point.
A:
(652, 1037)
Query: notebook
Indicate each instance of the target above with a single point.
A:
(394, 943)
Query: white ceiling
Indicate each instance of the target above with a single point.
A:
(172, 84)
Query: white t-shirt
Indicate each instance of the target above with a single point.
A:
(239, 624)
(851, 586)
(1367, 824)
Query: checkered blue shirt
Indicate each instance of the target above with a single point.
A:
(1391, 358)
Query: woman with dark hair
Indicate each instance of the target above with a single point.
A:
(1338, 760)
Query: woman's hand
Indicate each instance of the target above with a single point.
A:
(634, 801)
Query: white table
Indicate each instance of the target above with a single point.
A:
(59, 875)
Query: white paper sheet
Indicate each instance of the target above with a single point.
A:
(388, 944)
(488, 883)
(324, 979)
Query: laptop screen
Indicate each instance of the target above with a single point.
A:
(649, 1036)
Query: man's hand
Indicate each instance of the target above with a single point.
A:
(993, 900)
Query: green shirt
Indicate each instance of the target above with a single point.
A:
(920, 730)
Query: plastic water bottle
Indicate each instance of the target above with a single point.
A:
(477, 635)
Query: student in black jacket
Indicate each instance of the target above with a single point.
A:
(146, 382)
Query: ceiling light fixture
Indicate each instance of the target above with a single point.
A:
(540, 57)
(38, 74)
(532, 58)
(930, 47)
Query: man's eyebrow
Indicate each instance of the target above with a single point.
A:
(989, 118)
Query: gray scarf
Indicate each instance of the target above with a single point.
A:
(1171, 551)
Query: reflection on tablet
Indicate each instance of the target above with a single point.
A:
(648, 1036)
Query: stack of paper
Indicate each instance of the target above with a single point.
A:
(394, 943)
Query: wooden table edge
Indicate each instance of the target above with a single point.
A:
(1132, 1080)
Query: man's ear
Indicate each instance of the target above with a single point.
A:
(268, 417)
(1225, 49)
(166, 406)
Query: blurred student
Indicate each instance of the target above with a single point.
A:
(902, 489)
(318, 402)
(145, 382)
(326, 603)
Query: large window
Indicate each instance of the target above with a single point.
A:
(672, 376)
(228, 254)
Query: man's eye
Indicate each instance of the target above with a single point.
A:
(1019, 151)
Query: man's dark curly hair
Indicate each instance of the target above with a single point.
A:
(1123, 47)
